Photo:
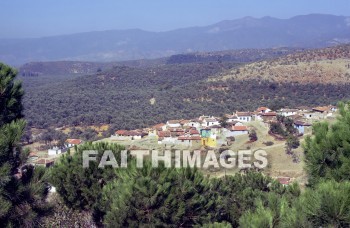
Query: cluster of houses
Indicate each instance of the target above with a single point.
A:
(36, 160)
(212, 131)
(207, 131)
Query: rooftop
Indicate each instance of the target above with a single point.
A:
(74, 141)
(239, 128)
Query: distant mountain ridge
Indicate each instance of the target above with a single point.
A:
(78, 67)
(315, 30)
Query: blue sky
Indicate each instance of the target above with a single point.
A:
(37, 18)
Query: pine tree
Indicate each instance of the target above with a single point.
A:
(159, 197)
(22, 188)
(79, 187)
(326, 205)
(239, 194)
(327, 152)
(11, 93)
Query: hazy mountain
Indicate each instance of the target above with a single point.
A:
(52, 68)
(301, 31)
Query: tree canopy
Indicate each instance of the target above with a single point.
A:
(22, 187)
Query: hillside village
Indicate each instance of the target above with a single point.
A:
(204, 132)
(213, 131)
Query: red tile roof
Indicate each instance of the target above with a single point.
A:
(189, 138)
(74, 141)
(176, 130)
(129, 133)
(269, 114)
(134, 133)
(262, 109)
(157, 126)
(243, 114)
(194, 132)
(163, 134)
(239, 128)
(121, 132)
(173, 121)
(321, 109)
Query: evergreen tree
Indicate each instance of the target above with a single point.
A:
(223, 121)
(326, 205)
(22, 188)
(327, 152)
(159, 197)
(11, 93)
(253, 136)
(79, 187)
(240, 194)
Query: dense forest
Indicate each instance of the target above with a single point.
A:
(130, 98)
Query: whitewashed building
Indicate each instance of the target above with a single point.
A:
(193, 123)
(244, 116)
(54, 151)
(288, 112)
(208, 122)
(173, 123)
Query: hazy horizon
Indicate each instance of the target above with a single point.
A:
(44, 18)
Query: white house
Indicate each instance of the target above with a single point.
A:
(189, 140)
(263, 110)
(236, 130)
(193, 123)
(164, 137)
(301, 126)
(173, 123)
(244, 116)
(231, 118)
(54, 151)
(310, 115)
(72, 142)
(288, 112)
(207, 122)
(122, 135)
